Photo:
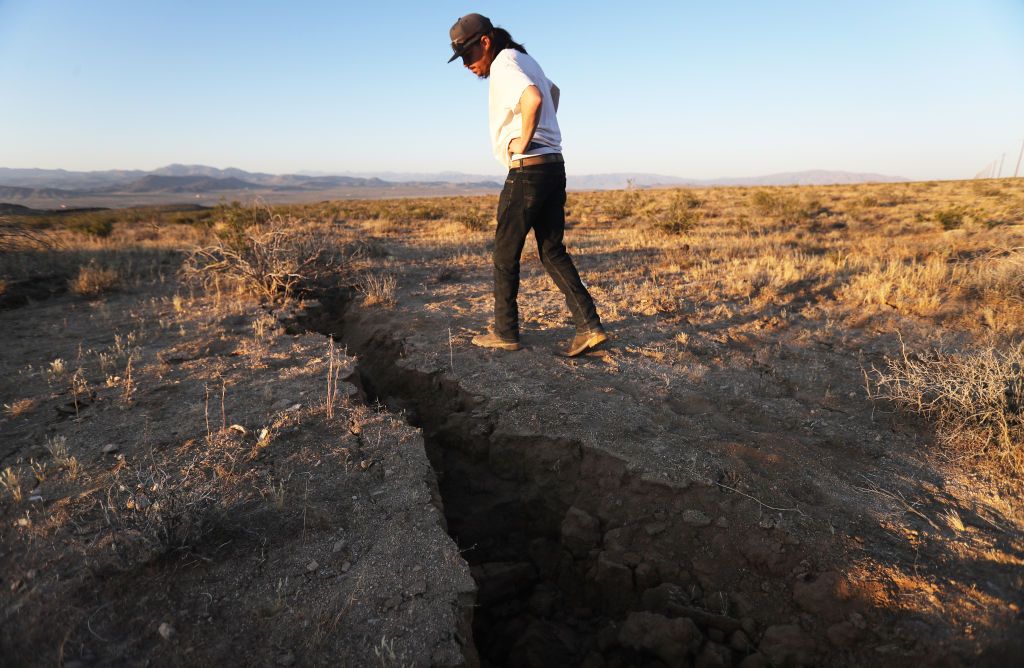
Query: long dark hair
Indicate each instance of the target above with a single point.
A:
(502, 40)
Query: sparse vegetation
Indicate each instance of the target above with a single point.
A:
(378, 289)
(785, 207)
(975, 399)
(9, 481)
(267, 255)
(680, 214)
(93, 279)
(740, 315)
(952, 218)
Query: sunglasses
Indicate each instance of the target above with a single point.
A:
(468, 48)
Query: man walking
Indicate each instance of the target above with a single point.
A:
(524, 131)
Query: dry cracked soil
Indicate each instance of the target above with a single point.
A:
(346, 480)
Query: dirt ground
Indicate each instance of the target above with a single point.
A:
(719, 485)
(205, 509)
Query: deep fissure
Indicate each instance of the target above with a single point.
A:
(555, 581)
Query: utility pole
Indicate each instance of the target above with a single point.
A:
(1000, 174)
(1017, 170)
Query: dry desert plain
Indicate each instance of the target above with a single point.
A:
(261, 436)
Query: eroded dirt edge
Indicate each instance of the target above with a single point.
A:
(582, 558)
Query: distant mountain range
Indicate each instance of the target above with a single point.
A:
(644, 180)
(35, 185)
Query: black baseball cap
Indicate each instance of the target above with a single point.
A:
(467, 31)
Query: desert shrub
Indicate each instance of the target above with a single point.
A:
(93, 279)
(268, 260)
(951, 218)
(622, 204)
(154, 513)
(974, 398)
(786, 208)
(16, 235)
(999, 274)
(378, 289)
(681, 213)
(423, 212)
(99, 224)
(473, 220)
(230, 221)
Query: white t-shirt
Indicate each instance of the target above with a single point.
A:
(512, 72)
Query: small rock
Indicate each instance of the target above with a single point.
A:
(646, 576)
(109, 448)
(418, 587)
(312, 566)
(286, 659)
(739, 642)
(166, 631)
(696, 518)
(338, 546)
(754, 661)
(787, 644)
(292, 409)
(238, 428)
(543, 601)
(842, 634)
(345, 566)
(826, 596)
(654, 528)
(580, 532)
(713, 655)
(671, 640)
(667, 599)
(615, 581)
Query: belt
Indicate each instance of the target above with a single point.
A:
(537, 160)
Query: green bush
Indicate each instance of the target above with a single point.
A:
(786, 208)
(474, 221)
(98, 225)
(952, 218)
(681, 214)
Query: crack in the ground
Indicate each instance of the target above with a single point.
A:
(565, 543)
(582, 559)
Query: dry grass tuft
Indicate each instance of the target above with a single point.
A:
(93, 279)
(680, 213)
(9, 481)
(19, 407)
(975, 399)
(156, 513)
(379, 290)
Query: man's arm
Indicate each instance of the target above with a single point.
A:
(529, 107)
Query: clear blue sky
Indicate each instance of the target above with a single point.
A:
(917, 88)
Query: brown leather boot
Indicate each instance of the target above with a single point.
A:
(492, 340)
(586, 341)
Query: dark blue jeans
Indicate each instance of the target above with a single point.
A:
(534, 199)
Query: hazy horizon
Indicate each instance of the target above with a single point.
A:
(921, 90)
